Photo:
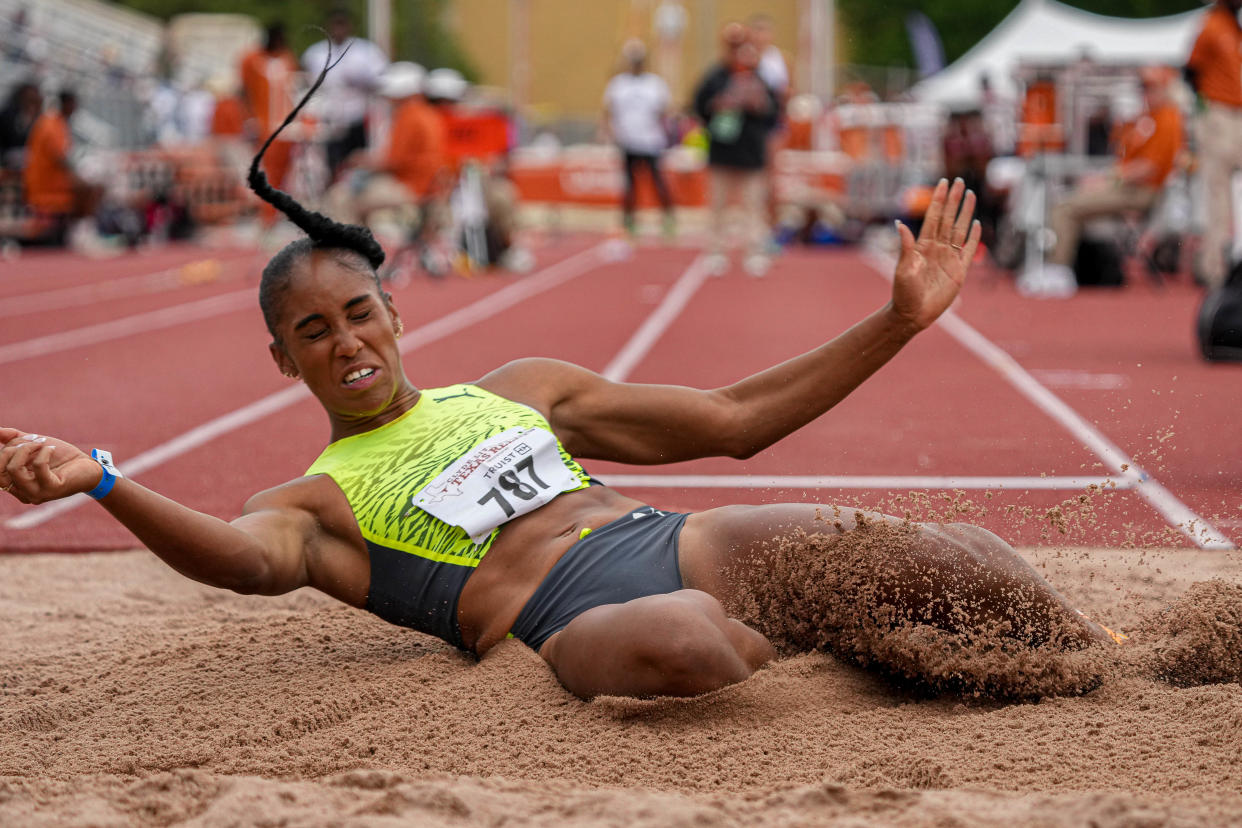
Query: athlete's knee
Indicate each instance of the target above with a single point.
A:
(698, 648)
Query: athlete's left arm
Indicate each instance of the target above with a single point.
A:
(597, 418)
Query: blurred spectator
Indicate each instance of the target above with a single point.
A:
(228, 119)
(1100, 131)
(1146, 152)
(267, 75)
(635, 106)
(406, 173)
(346, 90)
(53, 187)
(1214, 70)
(738, 110)
(196, 112)
(20, 112)
(968, 149)
(1000, 117)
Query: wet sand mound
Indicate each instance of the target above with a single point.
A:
(130, 696)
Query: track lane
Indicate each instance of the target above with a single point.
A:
(949, 418)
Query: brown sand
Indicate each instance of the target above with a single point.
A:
(131, 696)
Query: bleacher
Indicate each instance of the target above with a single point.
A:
(112, 57)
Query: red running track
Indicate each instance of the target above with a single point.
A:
(1015, 404)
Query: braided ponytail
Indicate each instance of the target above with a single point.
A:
(324, 233)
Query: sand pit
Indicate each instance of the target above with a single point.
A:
(131, 696)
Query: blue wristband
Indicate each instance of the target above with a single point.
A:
(110, 474)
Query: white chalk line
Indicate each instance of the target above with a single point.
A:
(654, 326)
(1176, 513)
(127, 326)
(550, 277)
(804, 481)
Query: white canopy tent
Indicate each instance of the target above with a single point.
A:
(1046, 31)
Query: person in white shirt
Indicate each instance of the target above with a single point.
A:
(635, 105)
(347, 89)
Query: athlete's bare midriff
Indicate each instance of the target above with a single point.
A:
(517, 562)
(522, 556)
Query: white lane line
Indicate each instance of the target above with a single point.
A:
(657, 323)
(127, 326)
(1176, 513)
(805, 481)
(89, 294)
(488, 306)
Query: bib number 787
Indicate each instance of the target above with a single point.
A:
(500, 479)
(510, 482)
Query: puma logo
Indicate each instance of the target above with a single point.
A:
(465, 393)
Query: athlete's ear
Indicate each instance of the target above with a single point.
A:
(397, 325)
(282, 360)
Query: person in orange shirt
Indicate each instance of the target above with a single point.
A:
(1146, 152)
(411, 169)
(1214, 70)
(52, 187)
(228, 119)
(267, 76)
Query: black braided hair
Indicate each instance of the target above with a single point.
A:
(350, 240)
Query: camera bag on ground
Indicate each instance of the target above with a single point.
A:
(1220, 320)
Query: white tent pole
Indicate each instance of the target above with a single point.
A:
(379, 24)
(822, 18)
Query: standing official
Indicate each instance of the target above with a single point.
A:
(635, 105)
(1214, 70)
(347, 89)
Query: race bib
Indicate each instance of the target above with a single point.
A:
(501, 478)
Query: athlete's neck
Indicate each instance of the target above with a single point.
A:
(404, 397)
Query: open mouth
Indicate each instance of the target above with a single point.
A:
(359, 378)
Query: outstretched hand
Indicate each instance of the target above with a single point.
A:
(931, 269)
(36, 468)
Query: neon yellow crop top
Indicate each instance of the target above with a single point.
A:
(420, 562)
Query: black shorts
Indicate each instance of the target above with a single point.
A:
(631, 557)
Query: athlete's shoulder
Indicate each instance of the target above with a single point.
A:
(312, 493)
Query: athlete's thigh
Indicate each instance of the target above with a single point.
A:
(719, 546)
(679, 643)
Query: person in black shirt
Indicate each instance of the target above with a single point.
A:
(738, 111)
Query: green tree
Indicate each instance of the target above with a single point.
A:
(876, 32)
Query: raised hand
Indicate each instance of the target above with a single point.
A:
(931, 270)
(35, 468)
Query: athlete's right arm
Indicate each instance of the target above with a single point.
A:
(264, 551)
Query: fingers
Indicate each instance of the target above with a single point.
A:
(907, 239)
(9, 434)
(963, 225)
(948, 217)
(935, 210)
(18, 474)
(46, 478)
(972, 241)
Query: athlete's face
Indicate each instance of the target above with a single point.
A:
(338, 333)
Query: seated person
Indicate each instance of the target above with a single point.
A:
(409, 170)
(1146, 151)
(52, 187)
